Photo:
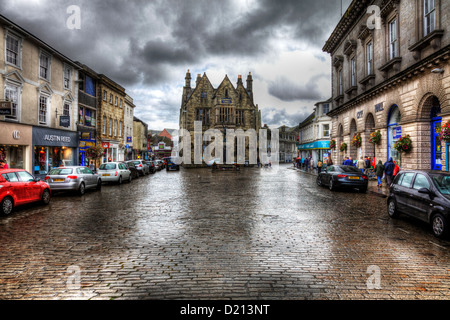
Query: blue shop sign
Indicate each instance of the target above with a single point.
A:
(315, 145)
(396, 133)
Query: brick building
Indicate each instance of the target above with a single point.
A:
(222, 108)
(390, 72)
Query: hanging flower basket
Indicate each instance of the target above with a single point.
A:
(343, 147)
(375, 137)
(333, 144)
(445, 132)
(404, 144)
(94, 153)
(357, 140)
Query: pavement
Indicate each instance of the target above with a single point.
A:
(382, 192)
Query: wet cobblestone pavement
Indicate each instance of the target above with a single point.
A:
(197, 234)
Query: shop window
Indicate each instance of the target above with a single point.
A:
(13, 155)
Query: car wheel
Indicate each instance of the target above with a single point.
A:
(331, 186)
(7, 206)
(99, 184)
(439, 225)
(120, 180)
(82, 189)
(129, 178)
(392, 209)
(363, 190)
(46, 196)
(319, 182)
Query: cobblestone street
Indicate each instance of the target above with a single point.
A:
(197, 234)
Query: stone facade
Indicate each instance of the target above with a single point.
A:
(40, 82)
(390, 72)
(110, 118)
(225, 107)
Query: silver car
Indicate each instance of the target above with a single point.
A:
(114, 172)
(74, 178)
(142, 166)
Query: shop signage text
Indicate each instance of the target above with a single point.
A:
(5, 108)
(54, 138)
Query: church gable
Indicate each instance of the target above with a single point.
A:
(226, 93)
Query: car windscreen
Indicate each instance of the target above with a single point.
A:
(107, 166)
(442, 183)
(137, 162)
(349, 169)
(60, 172)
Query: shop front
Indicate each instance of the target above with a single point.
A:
(86, 141)
(318, 150)
(53, 148)
(15, 145)
(111, 151)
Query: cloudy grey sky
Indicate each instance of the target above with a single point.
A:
(148, 45)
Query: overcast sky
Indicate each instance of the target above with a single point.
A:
(148, 45)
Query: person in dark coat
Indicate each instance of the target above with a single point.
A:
(389, 168)
(379, 170)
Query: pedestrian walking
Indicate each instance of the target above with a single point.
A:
(92, 166)
(361, 164)
(396, 170)
(379, 171)
(312, 165)
(319, 166)
(389, 168)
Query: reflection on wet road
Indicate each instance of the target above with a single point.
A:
(197, 234)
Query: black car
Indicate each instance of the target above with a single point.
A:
(341, 176)
(134, 171)
(424, 195)
(151, 166)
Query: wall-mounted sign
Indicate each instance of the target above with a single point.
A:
(16, 134)
(106, 145)
(379, 107)
(396, 133)
(226, 101)
(5, 108)
(64, 121)
(360, 114)
(129, 139)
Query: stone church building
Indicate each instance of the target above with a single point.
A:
(222, 108)
(391, 72)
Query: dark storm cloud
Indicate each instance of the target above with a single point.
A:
(286, 90)
(133, 41)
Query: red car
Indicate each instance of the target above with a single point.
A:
(18, 187)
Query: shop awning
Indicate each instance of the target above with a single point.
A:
(316, 145)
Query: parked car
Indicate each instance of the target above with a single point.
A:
(158, 164)
(171, 165)
(74, 178)
(19, 187)
(141, 166)
(162, 163)
(340, 176)
(114, 172)
(424, 195)
(134, 171)
(151, 166)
